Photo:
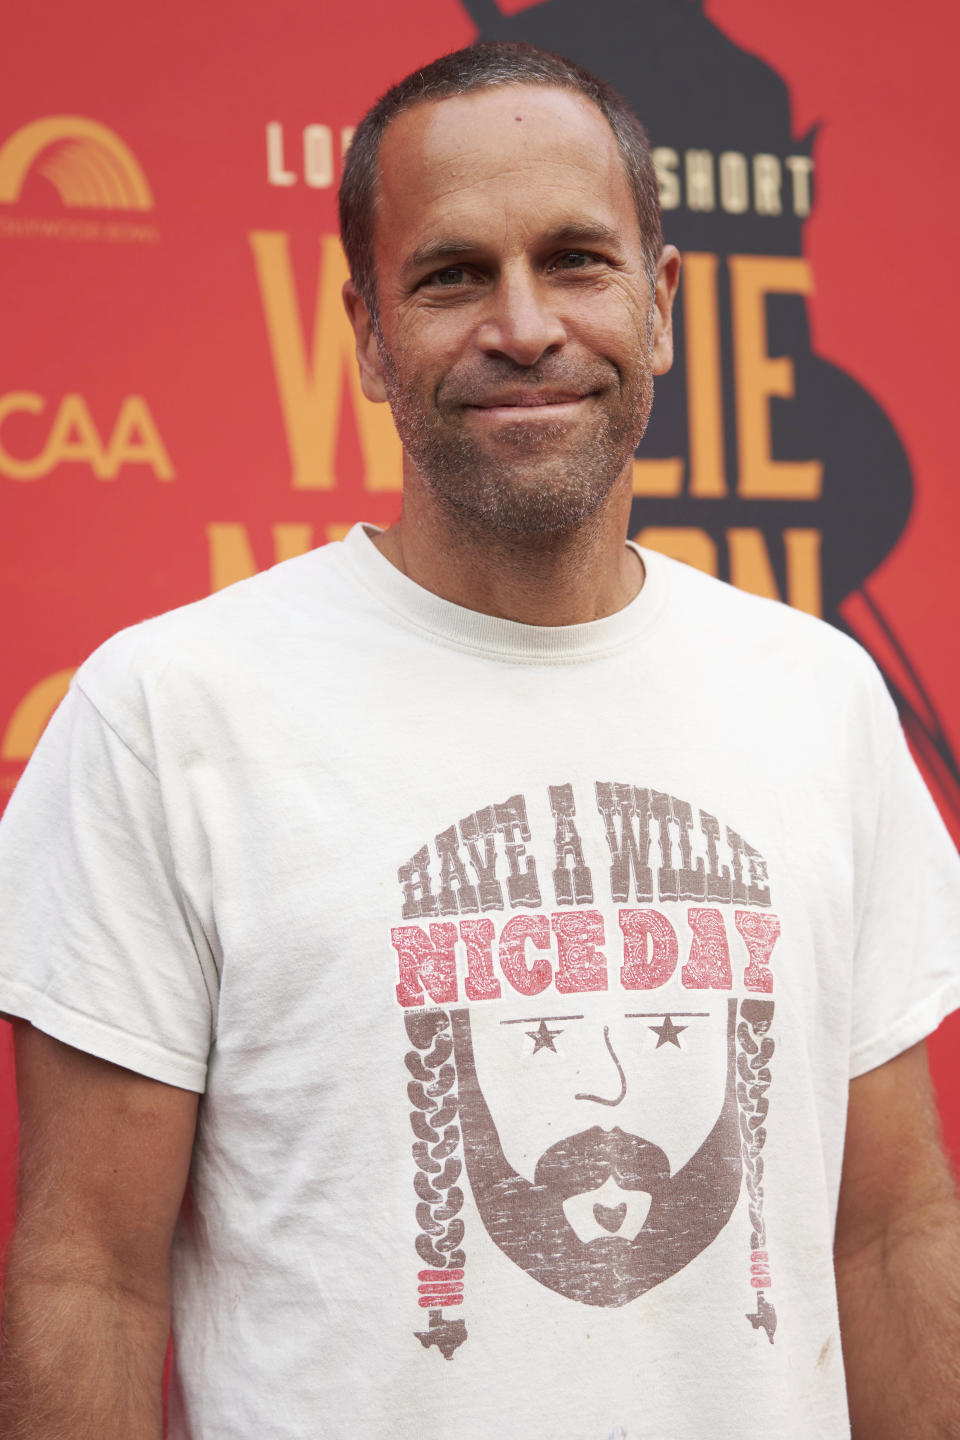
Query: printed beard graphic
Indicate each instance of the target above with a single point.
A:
(797, 483)
(528, 1220)
(599, 1077)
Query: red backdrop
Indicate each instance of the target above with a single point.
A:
(176, 396)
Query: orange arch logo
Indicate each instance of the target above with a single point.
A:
(29, 720)
(88, 165)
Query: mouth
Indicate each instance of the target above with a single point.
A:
(527, 398)
(529, 405)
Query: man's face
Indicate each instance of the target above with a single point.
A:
(603, 1150)
(518, 334)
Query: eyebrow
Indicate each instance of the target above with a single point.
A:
(576, 232)
(584, 232)
(435, 250)
(532, 1019)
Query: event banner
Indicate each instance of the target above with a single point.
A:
(179, 402)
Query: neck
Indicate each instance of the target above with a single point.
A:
(563, 578)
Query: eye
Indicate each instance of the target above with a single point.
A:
(452, 276)
(575, 260)
(667, 1032)
(543, 1037)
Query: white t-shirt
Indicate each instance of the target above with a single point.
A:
(523, 970)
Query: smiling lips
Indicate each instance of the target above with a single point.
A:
(516, 401)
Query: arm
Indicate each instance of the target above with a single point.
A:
(897, 1255)
(104, 1155)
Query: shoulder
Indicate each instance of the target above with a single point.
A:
(790, 664)
(721, 615)
(293, 597)
(212, 652)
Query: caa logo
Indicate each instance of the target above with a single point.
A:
(88, 165)
(73, 436)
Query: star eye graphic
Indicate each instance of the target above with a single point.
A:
(543, 1037)
(667, 1033)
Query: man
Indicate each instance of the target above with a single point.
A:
(337, 845)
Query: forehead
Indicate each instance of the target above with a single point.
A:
(508, 153)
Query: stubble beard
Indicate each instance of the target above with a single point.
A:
(526, 482)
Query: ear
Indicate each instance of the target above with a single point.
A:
(668, 278)
(368, 354)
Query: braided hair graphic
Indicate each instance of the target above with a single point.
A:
(754, 1053)
(436, 1149)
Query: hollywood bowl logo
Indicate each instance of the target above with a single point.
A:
(88, 165)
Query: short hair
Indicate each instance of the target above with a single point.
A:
(478, 67)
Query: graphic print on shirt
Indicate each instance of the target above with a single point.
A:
(602, 1086)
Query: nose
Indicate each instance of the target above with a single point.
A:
(522, 322)
(600, 1099)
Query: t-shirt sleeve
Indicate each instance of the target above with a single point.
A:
(98, 947)
(906, 975)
